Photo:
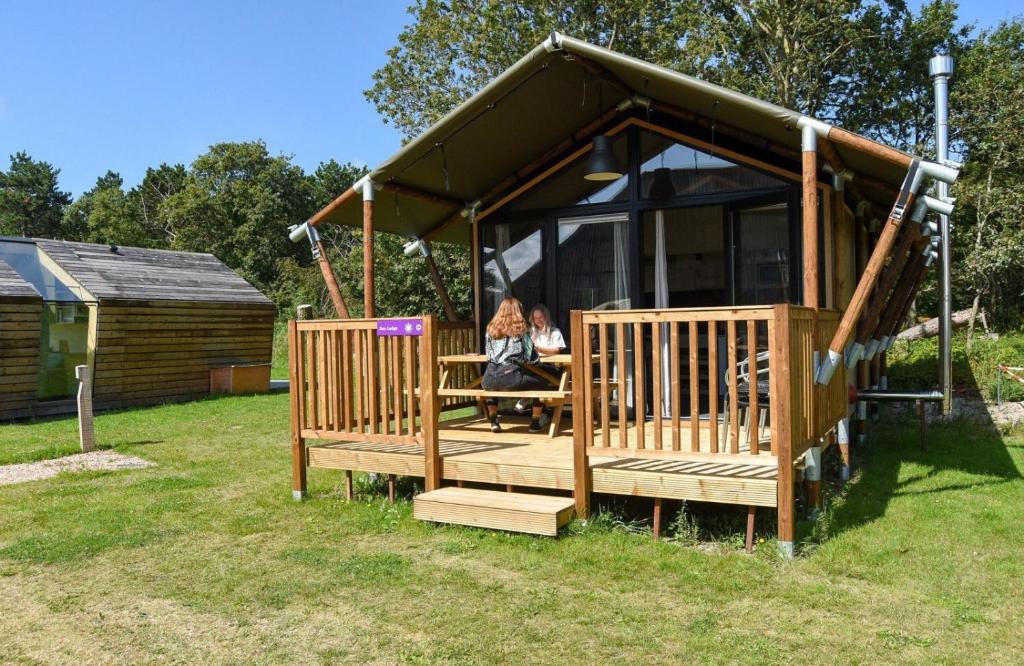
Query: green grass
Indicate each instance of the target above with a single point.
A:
(205, 558)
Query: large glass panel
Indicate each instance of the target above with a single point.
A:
(762, 265)
(63, 342)
(593, 274)
(684, 257)
(569, 188)
(671, 169)
(513, 264)
(593, 264)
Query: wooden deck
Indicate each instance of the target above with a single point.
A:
(470, 452)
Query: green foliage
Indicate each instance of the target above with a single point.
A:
(988, 122)
(914, 365)
(31, 202)
(238, 203)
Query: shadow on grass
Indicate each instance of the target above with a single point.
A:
(954, 450)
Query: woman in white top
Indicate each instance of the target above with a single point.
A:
(547, 339)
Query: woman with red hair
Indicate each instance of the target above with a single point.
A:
(509, 348)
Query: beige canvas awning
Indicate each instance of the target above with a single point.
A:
(558, 88)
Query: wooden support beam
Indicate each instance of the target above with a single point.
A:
(656, 519)
(900, 211)
(338, 202)
(910, 244)
(582, 479)
(297, 395)
(349, 493)
(442, 291)
(751, 516)
(369, 309)
(331, 281)
(902, 298)
(810, 219)
(856, 142)
(783, 433)
(474, 263)
(430, 406)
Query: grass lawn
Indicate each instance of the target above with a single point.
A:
(205, 558)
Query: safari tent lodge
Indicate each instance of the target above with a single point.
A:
(727, 274)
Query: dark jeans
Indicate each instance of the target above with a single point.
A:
(512, 377)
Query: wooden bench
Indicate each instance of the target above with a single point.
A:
(557, 397)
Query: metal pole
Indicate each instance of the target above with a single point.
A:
(940, 68)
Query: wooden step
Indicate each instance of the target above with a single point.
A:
(514, 512)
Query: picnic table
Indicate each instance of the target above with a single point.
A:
(556, 396)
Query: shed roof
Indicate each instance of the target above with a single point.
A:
(12, 286)
(543, 99)
(139, 274)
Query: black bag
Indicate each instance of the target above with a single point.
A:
(504, 376)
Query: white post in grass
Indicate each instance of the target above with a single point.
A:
(85, 431)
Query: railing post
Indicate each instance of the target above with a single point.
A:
(429, 404)
(581, 377)
(295, 381)
(783, 427)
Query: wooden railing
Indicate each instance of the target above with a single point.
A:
(720, 381)
(350, 384)
(681, 369)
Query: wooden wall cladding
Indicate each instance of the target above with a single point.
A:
(19, 356)
(162, 351)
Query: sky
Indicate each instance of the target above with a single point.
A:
(92, 86)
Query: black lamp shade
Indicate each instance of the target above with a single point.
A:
(661, 184)
(602, 164)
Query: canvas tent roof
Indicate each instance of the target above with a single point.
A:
(139, 274)
(12, 286)
(544, 98)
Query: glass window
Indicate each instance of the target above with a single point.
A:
(763, 256)
(684, 257)
(671, 169)
(593, 264)
(513, 264)
(569, 188)
(24, 258)
(63, 345)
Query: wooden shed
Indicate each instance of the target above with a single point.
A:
(20, 309)
(150, 323)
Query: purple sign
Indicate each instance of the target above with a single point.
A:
(399, 327)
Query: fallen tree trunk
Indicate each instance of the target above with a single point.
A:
(930, 328)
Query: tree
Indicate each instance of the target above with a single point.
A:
(31, 202)
(890, 98)
(818, 58)
(157, 186)
(454, 47)
(987, 104)
(237, 203)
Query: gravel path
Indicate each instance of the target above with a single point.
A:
(45, 469)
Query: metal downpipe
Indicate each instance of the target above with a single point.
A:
(940, 68)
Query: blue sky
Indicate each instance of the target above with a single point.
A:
(125, 85)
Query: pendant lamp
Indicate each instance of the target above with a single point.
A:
(602, 164)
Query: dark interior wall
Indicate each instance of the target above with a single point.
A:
(19, 355)
(162, 351)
